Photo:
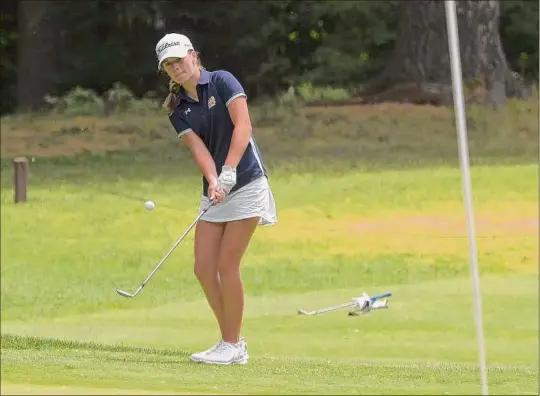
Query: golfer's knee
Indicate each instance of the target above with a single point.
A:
(204, 271)
(228, 267)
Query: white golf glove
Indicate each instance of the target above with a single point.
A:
(226, 180)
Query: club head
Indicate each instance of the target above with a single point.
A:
(124, 293)
(378, 304)
(304, 312)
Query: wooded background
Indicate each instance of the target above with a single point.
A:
(51, 46)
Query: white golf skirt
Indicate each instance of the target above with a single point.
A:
(253, 200)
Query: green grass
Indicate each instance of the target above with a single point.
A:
(391, 220)
(423, 344)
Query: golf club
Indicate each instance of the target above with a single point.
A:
(377, 304)
(362, 304)
(124, 293)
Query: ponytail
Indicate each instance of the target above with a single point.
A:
(171, 101)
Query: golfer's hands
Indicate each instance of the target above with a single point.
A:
(213, 193)
(226, 180)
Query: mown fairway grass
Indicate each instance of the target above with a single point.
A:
(342, 230)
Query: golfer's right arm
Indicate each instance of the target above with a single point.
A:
(201, 155)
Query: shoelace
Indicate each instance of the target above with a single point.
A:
(215, 347)
(219, 344)
(221, 347)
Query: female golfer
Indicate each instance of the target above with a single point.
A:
(210, 115)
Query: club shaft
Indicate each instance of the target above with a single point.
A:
(333, 308)
(348, 304)
(172, 249)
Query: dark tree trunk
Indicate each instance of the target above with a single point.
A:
(420, 70)
(36, 58)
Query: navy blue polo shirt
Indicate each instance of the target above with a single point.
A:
(209, 118)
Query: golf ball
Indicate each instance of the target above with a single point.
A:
(149, 205)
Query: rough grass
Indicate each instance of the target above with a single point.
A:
(389, 135)
(369, 199)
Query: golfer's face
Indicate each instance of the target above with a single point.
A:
(179, 69)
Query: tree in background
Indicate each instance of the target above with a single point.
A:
(36, 52)
(519, 32)
(50, 47)
(421, 61)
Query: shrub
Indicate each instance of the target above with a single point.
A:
(77, 101)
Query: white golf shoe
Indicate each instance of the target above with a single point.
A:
(196, 357)
(224, 353)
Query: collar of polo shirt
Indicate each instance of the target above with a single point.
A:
(203, 80)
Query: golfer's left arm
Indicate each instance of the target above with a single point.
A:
(238, 111)
(235, 98)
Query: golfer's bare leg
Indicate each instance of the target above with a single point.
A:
(234, 243)
(208, 238)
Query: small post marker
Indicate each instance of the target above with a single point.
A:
(20, 165)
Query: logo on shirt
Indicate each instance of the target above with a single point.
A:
(211, 102)
(187, 111)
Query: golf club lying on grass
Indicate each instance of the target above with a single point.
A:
(362, 305)
(126, 294)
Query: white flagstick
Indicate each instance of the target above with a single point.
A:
(457, 83)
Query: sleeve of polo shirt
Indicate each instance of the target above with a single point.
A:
(180, 124)
(228, 87)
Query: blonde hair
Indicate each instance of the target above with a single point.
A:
(171, 101)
